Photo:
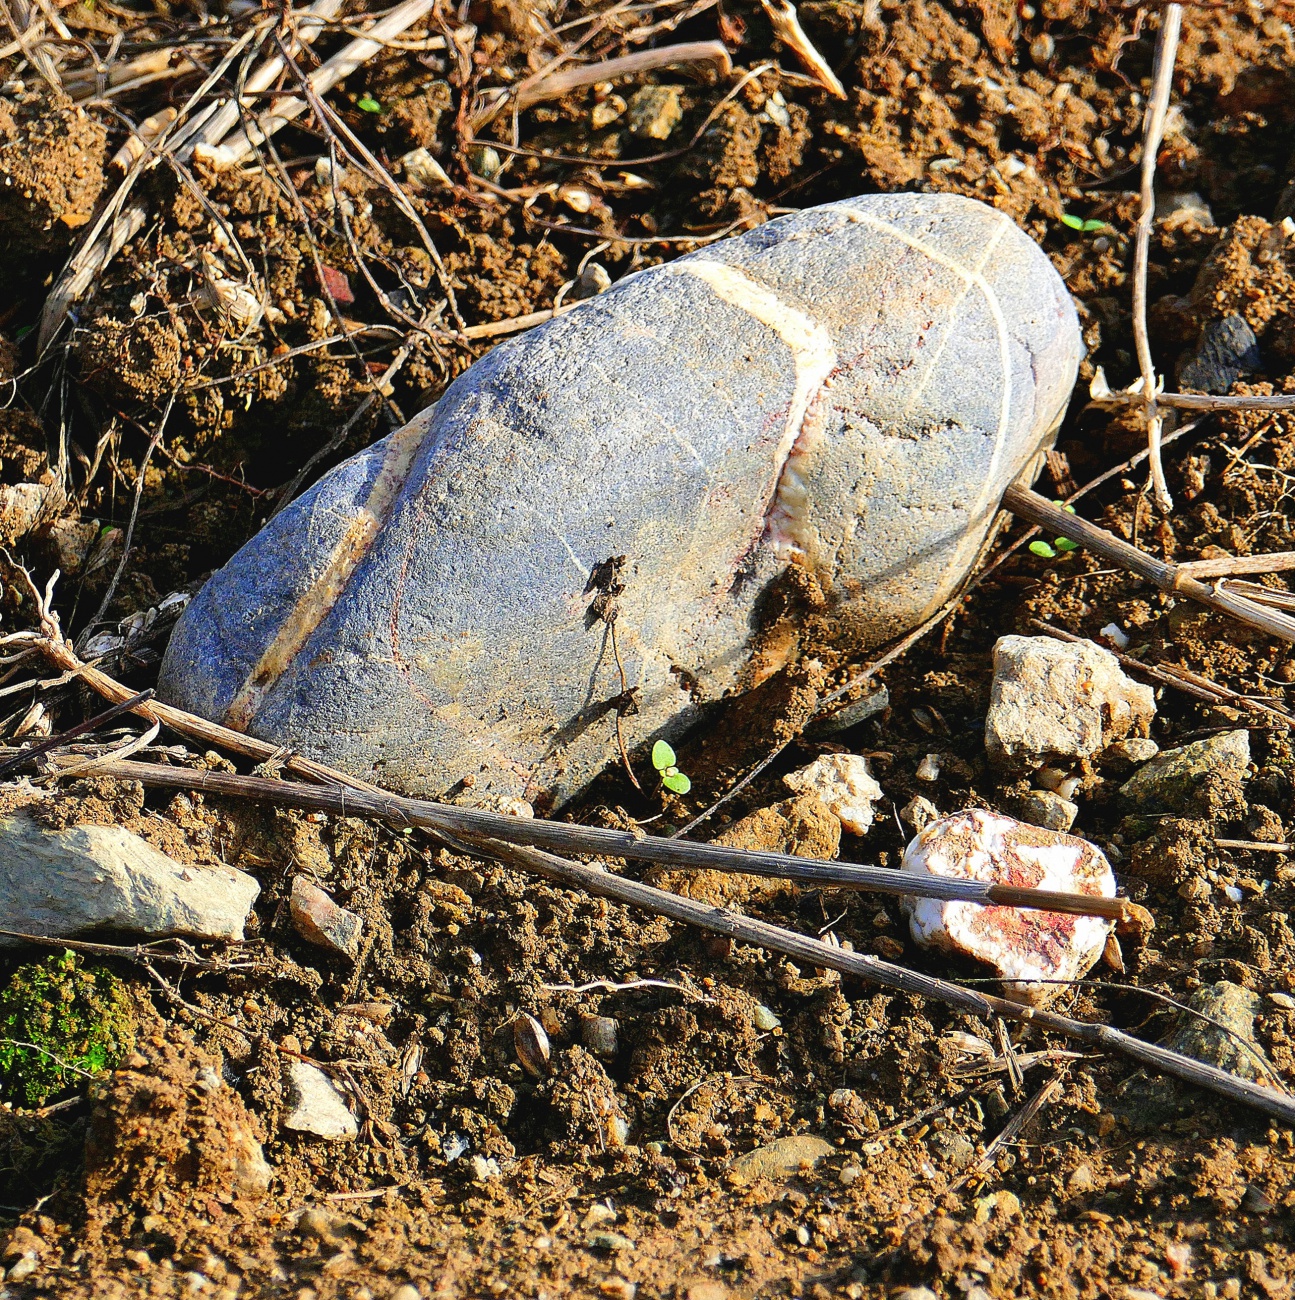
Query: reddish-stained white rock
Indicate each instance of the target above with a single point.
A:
(1021, 944)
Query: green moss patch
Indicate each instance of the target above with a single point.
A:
(61, 1021)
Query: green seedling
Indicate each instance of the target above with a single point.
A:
(1085, 225)
(663, 759)
(1048, 551)
(367, 104)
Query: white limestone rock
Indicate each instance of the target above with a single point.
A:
(1057, 700)
(1021, 944)
(843, 783)
(317, 1107)
(84, 879)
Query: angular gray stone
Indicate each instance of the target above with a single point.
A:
(848, 389)
(1227, 349)
(1227, 1038)
(1171, 781)
(1056, 699)
(321, 921)
(88, 878)
(317, 1107)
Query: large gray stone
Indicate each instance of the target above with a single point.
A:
(83, 879)
(848, 389)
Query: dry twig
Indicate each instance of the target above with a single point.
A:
(786, 25)
(1182, 679)
(450, 821)
(545, 84)
(1162, 77)
(1169, 578)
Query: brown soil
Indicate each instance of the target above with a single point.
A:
(610, 1175)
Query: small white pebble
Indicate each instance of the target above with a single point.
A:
(1234, 894)
(765, 1020)
(850, 1174)
(929, 768)
(1116, 635)
(844, 785)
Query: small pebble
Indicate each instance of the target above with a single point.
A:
(1129, 753)
(483, 1168)
(423, 170)
(765, 1020)
(918, 812)
(321, 921)
(655, 111)
(600, 1034)
(781, 1158)
(1047, 808)
(592, 281)
(1227, 350)
(850, 1174)
(317, 1107)
(1178, 1255)
(844, 785)
(929, 768)
(606, 112)
(23, 1268)
(609, 1241)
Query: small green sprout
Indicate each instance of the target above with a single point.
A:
(367, 104)
(1048, 550)
(1085, 225)
(663, 759)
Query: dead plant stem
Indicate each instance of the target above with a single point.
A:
(1168, 578)
(1162, 77)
